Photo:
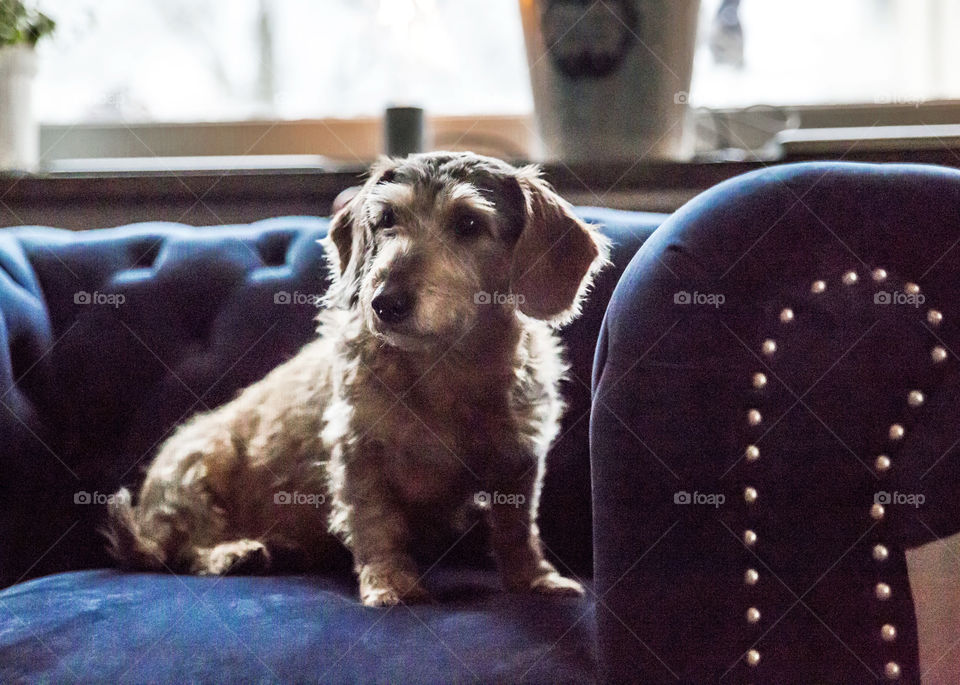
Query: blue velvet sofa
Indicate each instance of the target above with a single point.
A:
(110, 338)
(773, 388)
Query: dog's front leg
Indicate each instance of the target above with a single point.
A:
(516, 540)
(377, 537)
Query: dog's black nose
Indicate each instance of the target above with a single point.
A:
(392, 306)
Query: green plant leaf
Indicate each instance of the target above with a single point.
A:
(20, 24)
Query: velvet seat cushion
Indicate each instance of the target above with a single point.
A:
(106, 626)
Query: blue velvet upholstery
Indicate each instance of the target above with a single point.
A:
(110, 338)
(674, 387)
(110, 627)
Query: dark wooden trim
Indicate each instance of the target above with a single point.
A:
(80, 201)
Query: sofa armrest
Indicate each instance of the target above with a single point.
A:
(773, 426)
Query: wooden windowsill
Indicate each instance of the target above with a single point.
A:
(78, 199)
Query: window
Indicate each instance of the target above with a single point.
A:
(186, 77)
(234, 60)
(812, 52)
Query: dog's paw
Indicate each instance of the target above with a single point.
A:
(385, 589)
(238, 557)
(554, 584)
(390, 596)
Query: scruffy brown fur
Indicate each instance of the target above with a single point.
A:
(434, 378)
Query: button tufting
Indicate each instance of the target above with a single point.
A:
(754, 417)
(938, 354)
(850, 278)
(752, 453)
(892, 670)
(753, 657)
(896, 432)
(786, 315)
(883, 591)
(750, 495)
(749, 538)
(915, 398)
(769, 347)
(753, 615)
(877, 512)
(888, 633)
(934, 317)
(911, 288)
(880, 553)
(818, 287)
(750, 577)
(879, 275)
(759, 380)
(883, 463)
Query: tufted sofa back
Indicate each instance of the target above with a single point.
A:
(110, 338)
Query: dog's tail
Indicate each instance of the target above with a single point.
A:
(125, 543)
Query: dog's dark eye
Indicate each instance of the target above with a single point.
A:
(386, 219)
(467, 225)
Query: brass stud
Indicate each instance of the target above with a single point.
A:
(786, 315)
(879, 275)
(883, 463)
(897, 432)
(892, 670)
(883, 591)
(877, 512)
(752, 453)
(915, 398)
(880, 553)
(754, 417)
(818, 287)
(759, 380)
(749, 538)
(911, 289)
(888, 633)
(750, 495)
(753, 615)
(850, 278)
(753, 657)
(934, 317)
(938, 354)
(750, 577)
(769, 347)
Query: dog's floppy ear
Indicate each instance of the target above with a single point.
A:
(346, 242)
(344, 248)
(556, 254)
